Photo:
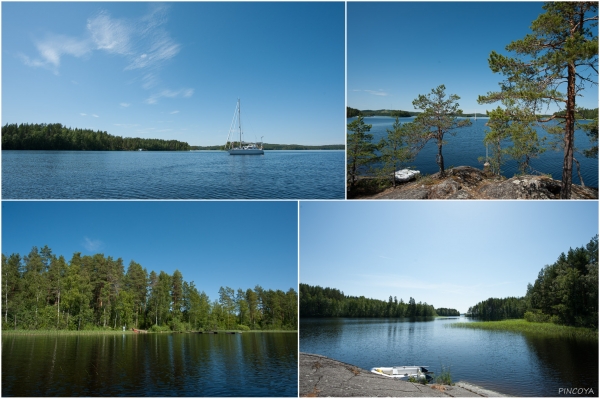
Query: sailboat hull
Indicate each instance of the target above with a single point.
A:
(242, 151)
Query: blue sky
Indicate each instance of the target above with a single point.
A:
(238, 244)
(176, 70)
(446, 253)
(398, 50)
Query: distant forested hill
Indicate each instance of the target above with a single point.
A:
(55, 136)
(267, 146)
(350, 112)
(316, 301)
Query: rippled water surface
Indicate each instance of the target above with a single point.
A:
(249, 364)
(509, 363)
(467, 147)
(172, 175)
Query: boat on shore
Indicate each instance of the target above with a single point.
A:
(242, 148)
(404, 175)
(403, 372)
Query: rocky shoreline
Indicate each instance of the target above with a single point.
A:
(321, 376)
(466, 182)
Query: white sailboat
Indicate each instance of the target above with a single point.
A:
(242, 148)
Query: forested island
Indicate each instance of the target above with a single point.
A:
(55, 136)
(41, 291)
(316, 301)
(565, 293)
(267, 146)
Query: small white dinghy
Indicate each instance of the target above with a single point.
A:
(406, 174)
(403, 372)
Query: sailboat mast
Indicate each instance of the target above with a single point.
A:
(240, 121)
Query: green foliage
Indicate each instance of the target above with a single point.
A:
(41, 291)
(351, 112)
(560, 51)
(360, 150)
(157, 329)
(515, 126)
(58, 137)
(536, 316)
(499, 308)
(565, 292)
(439, 117)
(316, 301)
(568, 289)
(591, 129)
(445, 376)
(394, 151)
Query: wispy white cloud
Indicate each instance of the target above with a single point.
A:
(95, 116)
(185, 93)
(143, 42)
(174, 112)
(377, 92)
(92, 245)
(124, 105)
(82, 114)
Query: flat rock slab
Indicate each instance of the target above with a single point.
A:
(466, 182)
(321, 376)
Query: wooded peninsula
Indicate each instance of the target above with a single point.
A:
(316, 301)
(41, 291)
(55, 136)
(564, 293)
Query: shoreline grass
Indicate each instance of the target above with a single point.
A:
(523, 326)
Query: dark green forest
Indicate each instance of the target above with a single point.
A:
(565, 292)
(41, 291)
(350, 112)
(447, 312)
(316, 301)
(54, 136)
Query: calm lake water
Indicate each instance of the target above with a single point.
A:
(249, 364)
(172, 175)
(509, 363)
(467, 146)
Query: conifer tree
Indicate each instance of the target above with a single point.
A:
(560, 54)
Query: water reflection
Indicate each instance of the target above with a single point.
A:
(509, 363)
(567, 360)
(150, 365)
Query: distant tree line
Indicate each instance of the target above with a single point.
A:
(55, 136)
(41, 291)
(267, 146)
(499, 308)
(316, 301)
(351, 112)
(447, 312)
(565, 292)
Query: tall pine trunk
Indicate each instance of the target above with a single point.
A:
(567, 176)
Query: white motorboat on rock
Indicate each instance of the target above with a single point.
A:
(403, 372)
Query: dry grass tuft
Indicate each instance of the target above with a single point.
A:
(316, 365)
(438, 387)
(354, 370)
